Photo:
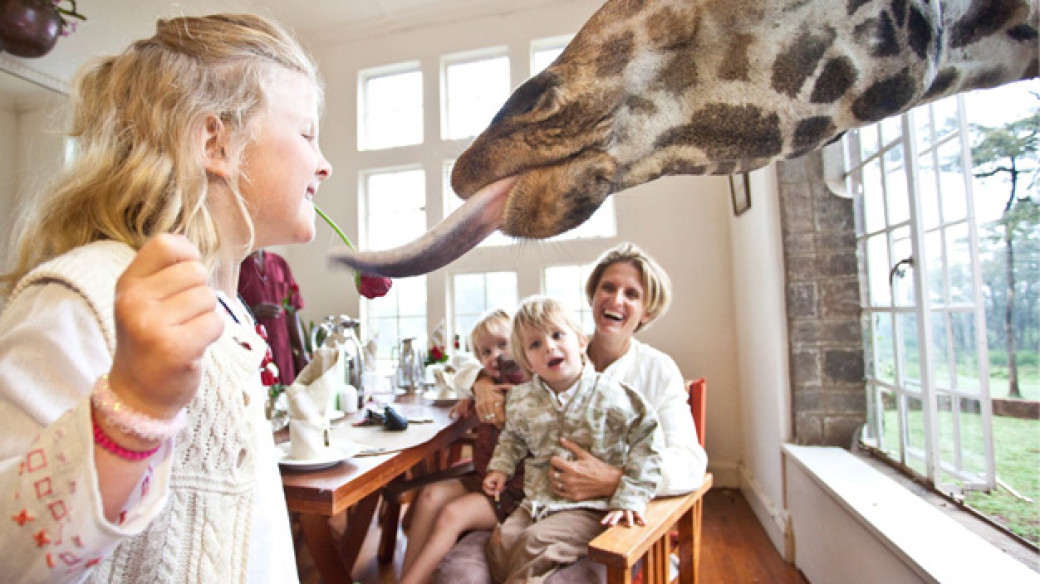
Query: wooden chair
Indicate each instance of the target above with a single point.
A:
(621, 548)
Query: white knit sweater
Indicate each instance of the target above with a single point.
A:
(192, 518)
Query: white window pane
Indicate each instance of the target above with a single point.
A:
(411, 296)
(896, 187)
(501, 290)
(542, 58)
(476, 294)
(873, 198)
(475, 92)
(396, 208)
(391, 110)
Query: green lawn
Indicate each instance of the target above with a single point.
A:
(1016, 445)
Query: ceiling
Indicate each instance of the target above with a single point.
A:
(112, 24)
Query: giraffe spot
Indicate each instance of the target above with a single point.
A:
(1022, 32)
(679, 73)
(735, 62)
(899, 11)
(627, 8)
(728, 132)
(854, 5)
(885, 43)
(640, 105)
(983, 19)
(666, 29)
(990, 77)
(941, 84)
(798, 61)
(884, 98)
(920, 33)
(811, 131)
(615, 54)
(837, 77)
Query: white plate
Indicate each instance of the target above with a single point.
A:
(338, 453)
(437, 399)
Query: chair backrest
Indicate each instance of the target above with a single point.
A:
(698, 394)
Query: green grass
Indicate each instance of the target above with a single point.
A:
(1016, 444)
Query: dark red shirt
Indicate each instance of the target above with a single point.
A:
(273, 282)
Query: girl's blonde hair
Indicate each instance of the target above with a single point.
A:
(497, 319)
(657, 288)
(539, 313)
(139, 118)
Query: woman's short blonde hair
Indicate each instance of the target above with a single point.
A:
(657, 288)
(538, 313)
(138, 118)
(493, 320)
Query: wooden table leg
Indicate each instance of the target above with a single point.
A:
(321, 543)
(359, 519)
(335, 559)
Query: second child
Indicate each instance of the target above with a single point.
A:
(566, 398)
(462, 504)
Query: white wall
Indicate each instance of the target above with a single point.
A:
(761, 330)
(31, 153)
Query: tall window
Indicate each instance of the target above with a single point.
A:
(948, 223)
(391, 107)
(567, 284)
(394, 208)
(475, 294)
(398, 173)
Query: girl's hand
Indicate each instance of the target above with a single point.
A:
(165, 315)
(494, 483)
(628, 517)
(490, 400)
(585, 477)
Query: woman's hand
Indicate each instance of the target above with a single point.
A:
(165, 315)
(490, 400)
(585, 477)
(462, 408)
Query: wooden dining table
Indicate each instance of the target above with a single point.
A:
(353, 486)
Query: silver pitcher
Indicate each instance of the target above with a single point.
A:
(341, 332)
(410, 364)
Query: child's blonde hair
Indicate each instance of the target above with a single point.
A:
(538, 313)
(138, 117)
(656, 285)
(497, 319)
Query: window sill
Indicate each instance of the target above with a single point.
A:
(925, 539)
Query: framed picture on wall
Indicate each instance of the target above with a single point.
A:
(740, 192)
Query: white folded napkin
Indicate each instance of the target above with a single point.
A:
(312, 402)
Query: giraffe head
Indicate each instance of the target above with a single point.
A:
(649, 88)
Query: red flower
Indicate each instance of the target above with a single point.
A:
(368, 285)
(371, 286)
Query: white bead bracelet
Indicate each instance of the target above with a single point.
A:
(130, 421)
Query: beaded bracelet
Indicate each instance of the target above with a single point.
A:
(132, 422)
(105, 441)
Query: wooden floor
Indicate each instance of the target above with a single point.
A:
(736, 549)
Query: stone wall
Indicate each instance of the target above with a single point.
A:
(823, 314)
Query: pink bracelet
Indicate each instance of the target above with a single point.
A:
(105, 441)
(132, 422)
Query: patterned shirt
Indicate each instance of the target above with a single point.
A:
(606, 418)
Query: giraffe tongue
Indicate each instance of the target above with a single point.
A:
(460, 232)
